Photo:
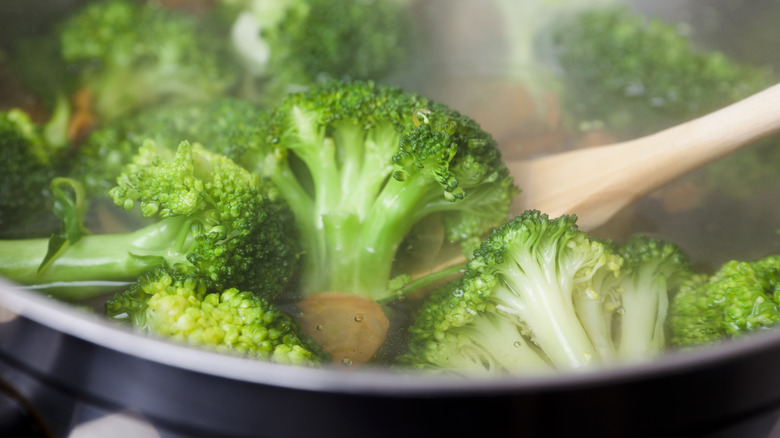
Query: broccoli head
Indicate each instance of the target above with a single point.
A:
(28, 162)
(360, 163)
(635, 75)
(133, 54)
(209, 214)
(294, 43)
(541, 294)
(179, 306)
(516, 308)
(739, 298)
(224, 125)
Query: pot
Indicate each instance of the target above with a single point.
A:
(67, 372)
(73, 369)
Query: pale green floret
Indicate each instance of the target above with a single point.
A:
(181, 308)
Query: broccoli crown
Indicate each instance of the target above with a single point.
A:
(180, 306)
(637, 75)
(27, 166)
(211, 215)
(239, 222)
(133, 54)
(297, 42)
(739, 298)
(360, 164)
(517, 307)
(226, 125)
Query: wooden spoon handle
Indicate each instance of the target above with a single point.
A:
(595, 183)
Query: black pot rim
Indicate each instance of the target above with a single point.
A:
(92, 328)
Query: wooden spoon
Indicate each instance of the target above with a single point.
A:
(595, 183)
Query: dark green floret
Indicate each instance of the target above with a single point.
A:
(181, 307)
(28, 162)
(134, 54)
(634, 75)
(207, 213)
(360, 164)
(739, 298)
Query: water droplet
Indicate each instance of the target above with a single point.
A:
(359, 317)
(518, 344)
(346, 362)
(319, 327)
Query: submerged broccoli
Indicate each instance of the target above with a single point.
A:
(634, 75)
(739, 298)
(360, 164)
(181, 307)
(541, 294)
(133, 54)
(211, 214)
(294, 42)
(28, 162)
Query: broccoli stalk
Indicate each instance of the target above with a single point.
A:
(180, 306)
(212, 215)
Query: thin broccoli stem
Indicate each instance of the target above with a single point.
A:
(99, 257)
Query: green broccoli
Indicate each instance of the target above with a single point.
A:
(635, 75)
(180, 307)
(28, 163)
(360, 163)
(224, 124)
(739, 298)
(134, 54)
(652, 270)
(211, 214)
(541, 294)
(293, 43)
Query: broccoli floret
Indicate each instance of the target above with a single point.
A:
(28, 162)
(181, 307)
(294, 43)
(652, 270)
(360, 163)
(516, 308)
(541, 294)
(212, 214)
(635, 75)
(225, 125)
(739, 298)
(133, 54)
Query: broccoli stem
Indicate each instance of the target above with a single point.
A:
(110, 257)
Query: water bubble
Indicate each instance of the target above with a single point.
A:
(518, 344)
(359, 317)
(319, 327)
